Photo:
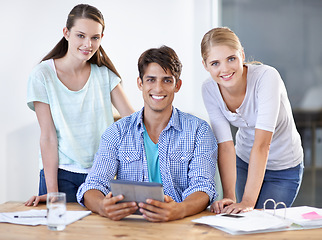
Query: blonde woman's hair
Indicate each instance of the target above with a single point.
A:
(220, 36)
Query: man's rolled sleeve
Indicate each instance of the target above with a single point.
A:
(202, 167)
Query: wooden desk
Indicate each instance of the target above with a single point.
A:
(95, 227)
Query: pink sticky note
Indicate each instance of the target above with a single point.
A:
(311, 215)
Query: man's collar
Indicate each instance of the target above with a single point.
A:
(173, 122)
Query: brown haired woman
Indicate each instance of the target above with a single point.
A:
(72, 91)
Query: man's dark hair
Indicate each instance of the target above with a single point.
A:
(165, 56)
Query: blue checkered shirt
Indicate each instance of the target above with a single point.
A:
(187, 155)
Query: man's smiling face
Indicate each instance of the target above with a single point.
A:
(158, 88)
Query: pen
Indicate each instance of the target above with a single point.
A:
(30, 216)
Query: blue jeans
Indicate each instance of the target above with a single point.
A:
(68, 182)
(281, 185)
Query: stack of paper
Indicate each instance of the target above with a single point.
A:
(256, 221)
(245, 223)
(304, 216)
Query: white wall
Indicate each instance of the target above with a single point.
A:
(29, 29)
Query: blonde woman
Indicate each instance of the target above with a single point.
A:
(252, 97)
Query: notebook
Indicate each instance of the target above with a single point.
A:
(259, 221)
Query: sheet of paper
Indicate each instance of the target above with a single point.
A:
(38, 217)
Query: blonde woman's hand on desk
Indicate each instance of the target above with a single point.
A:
(238, 208)
(218, 206)
(34, 200)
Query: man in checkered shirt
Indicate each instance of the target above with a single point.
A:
(159, 143)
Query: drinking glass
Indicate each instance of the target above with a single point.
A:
(56, 211)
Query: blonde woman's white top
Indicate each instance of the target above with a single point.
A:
(266, 106)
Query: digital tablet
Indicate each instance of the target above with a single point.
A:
(137, 191)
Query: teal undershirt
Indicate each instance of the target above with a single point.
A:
(152, 156)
